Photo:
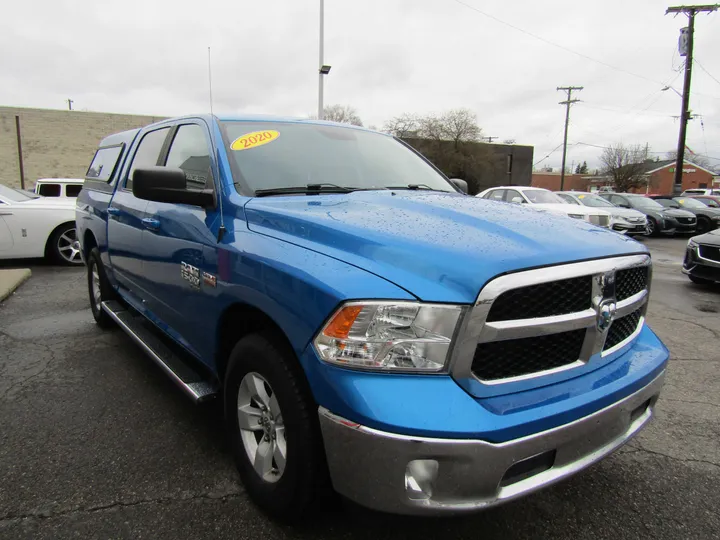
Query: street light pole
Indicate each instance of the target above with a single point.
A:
(320, 65)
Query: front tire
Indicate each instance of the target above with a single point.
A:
(99, 289)
(703, 225)
(652, 227)
(273, 428)
(64, 247)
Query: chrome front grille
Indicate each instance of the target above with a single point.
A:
(710, 252)
(601, 221)
(537, 322)
(604, 221)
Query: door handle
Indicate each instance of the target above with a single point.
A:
(151, 223)
(113, 211)
(5, 213)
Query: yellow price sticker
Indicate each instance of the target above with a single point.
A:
(581, 196)
(256, 138)
(681, 201)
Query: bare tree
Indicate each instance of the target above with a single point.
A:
(697, 159)
(460, 125)
(345, 114)
(405, 125)
(625, 165)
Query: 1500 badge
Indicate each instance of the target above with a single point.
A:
(191, 274)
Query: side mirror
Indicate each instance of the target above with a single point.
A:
(460, 184)
(169, 185)
(517, 200)
(623, 205)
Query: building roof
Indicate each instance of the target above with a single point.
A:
(654, 166)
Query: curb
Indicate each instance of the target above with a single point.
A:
(11, 280)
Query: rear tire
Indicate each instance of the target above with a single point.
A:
(99, 289)
(271, 416)
(63, 246)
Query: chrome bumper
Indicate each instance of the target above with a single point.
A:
(417, 475)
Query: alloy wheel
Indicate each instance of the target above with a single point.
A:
(68, 247)
(262, 428)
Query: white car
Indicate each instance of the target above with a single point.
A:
(700, 191)
(59, 187)
(543, 199)
(34, 226)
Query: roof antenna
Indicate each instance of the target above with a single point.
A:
(221, 230)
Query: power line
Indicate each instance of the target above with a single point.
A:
(705, 70)
(563, 47)
(548, 155)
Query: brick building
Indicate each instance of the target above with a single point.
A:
(661, 177)
(55, 144)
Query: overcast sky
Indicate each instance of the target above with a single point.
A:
(387, 57)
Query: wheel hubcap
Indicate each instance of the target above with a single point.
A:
(69, 247)
(262, 428)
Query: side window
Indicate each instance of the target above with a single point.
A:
(73, 190)
(49, 190)
(496, 195)
(189, 151)
(148, 153)
(103, 164)
(617, 200)
(511, 194)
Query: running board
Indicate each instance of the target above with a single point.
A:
(190, 381)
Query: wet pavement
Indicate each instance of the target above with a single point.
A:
(96, 442)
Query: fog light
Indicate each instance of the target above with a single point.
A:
(420, 476)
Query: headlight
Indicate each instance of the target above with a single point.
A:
(576, 216)
(691, 244)
(620, 219)
(388, 336)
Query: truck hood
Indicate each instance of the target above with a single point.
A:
(440, 247)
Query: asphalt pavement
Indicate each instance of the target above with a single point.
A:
(96, 442)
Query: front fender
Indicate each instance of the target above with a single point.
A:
(296, 287)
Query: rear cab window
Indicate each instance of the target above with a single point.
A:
(103, 165)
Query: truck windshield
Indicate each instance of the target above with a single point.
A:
(279, 155)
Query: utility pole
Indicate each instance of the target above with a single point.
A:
(70, 102)
(690, 11)
(489, 139)
(320, 66)
(569, 101)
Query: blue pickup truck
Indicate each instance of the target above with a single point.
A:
(370, 329)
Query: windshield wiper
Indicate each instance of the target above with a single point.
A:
(309, 189)
(415, 187)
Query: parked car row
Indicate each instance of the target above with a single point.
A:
(545, 200)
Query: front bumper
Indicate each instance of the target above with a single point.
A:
(419, 475)
(700, 267)
(630, 229)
